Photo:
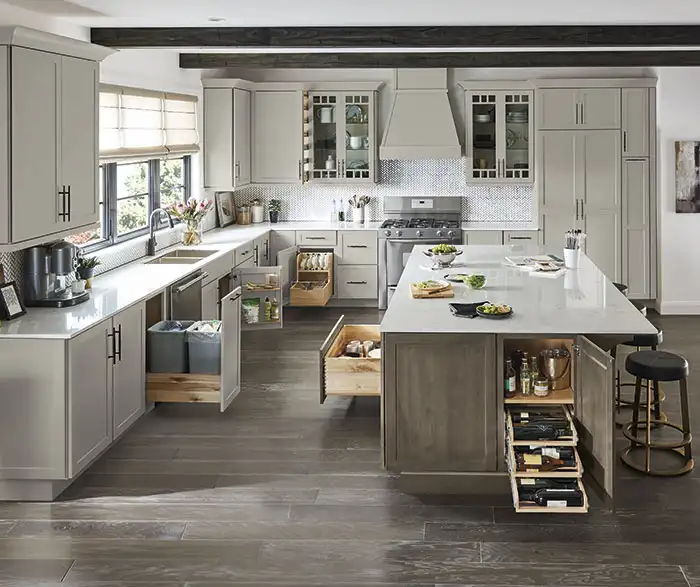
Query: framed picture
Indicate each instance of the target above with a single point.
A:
(224, 208)
(688, 177)
(10, 302)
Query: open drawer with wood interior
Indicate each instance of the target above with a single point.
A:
(581, 391)
(349, 376)
(546, 495)
(220, 388)
(307, 275)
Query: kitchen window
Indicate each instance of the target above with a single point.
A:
(147, 139)
(129, 192)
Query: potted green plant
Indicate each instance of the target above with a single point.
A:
(275, 209)
(85, 268)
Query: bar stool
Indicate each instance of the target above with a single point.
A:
(638, 341)
(655, 366)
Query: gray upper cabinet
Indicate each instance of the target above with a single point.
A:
(227, 138)
(277, 136)
(636, 228)
(51, 126)
(129, 385)
(35, 120)
(79, 138)
(579, 108)
(635, 122)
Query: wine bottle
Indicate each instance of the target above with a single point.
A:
(510, 388)
(558, 497)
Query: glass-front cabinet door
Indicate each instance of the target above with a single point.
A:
(500, 136)
(324, 137)
(342, 137)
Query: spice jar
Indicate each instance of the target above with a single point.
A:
(541, 387)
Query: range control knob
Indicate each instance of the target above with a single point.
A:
(387, 232)
(439, 233)
(451, 233)
(419, 233)
(399, 233)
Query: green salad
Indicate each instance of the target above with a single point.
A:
(475, 281)
(494, 309)
(443, 249)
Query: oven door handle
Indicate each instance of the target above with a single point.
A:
(417, 241)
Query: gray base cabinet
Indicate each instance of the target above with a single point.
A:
(86, 394)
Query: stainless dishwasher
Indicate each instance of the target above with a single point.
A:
(185, 297)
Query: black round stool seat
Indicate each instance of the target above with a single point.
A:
(646, 340)
(621, 286)
(657, 366)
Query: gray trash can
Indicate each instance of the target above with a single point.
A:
(204, 348)
(166, 346)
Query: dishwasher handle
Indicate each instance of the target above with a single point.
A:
(178, 290)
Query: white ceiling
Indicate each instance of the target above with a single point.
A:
(365, 12)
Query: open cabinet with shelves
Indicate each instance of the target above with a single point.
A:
(550, 442)
(307, 275)
(261, 297)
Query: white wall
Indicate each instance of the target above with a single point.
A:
(678, 113)
(14, 15)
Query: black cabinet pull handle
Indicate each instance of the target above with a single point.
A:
(315, 238)
(113, 356)
(357, 246)
(257, 256)
(356, 282)
(267, 249)
(521, 238)
(118, 353)
(63, 193)
(69, 203)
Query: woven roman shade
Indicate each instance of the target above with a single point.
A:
(138, 124)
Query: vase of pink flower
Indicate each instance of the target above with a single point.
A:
(191, 214)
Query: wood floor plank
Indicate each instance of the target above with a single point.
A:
(380, 513)
(530, 533)
(98, 530)
(311, 481)
(29, 571)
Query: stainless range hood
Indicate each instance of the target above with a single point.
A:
(421, 125)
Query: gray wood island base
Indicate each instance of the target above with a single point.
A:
(446, 422)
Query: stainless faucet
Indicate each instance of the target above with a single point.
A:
(152, 242)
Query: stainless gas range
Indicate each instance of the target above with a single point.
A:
(413, 221)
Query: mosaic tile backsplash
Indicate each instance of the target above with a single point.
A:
(437, 177)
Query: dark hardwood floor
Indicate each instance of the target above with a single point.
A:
(282, 490)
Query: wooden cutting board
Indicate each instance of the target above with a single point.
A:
(424, 294)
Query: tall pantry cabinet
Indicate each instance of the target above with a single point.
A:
(595, 172)
(49, 119)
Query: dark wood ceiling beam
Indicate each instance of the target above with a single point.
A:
(402, 36)
(467, 60)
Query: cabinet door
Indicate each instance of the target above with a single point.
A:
(90, 358)
(521, 237)
(327, 137)
(516, 136)
(558, 109)
(358, 148)
(287, 261)
(4, 147)
(482, 154)
(129, 395)
(599, 178)
(457, 429)
(278, 137)
(357, 282)
(557, 179)
(230, 347)
(219, 165)
(636, 228)
(210, 301)
(266, 254)
(280, 240)
(36, 203)
(595, 412)
(635, 122)
(241, 136)
(482, 237)
(600, 108)
(79, 139)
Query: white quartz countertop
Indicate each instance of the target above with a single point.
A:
(130, 284)
(581, 301)
(499, 226)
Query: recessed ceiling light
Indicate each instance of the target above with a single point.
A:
(217, 19)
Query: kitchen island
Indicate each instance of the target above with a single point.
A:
(444, 412)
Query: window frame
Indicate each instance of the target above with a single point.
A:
(108, 222)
